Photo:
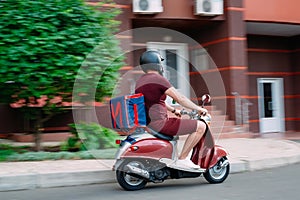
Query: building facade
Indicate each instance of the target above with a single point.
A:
(253, 45)
(245, 53)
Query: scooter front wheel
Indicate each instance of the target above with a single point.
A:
(219, 172)
(127, 181)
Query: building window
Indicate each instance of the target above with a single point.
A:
(200, 59)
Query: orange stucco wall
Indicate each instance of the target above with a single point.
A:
(272, 10)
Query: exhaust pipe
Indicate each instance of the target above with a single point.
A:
(138, 171)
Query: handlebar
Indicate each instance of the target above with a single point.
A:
(195, 115)
(192, 114)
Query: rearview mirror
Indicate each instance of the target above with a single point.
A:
(206, 99)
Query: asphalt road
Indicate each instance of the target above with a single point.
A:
(278, 183)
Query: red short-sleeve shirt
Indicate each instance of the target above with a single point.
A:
(153, 87)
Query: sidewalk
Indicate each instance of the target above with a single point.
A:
(245, 155)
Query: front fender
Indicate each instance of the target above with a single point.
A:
(219, 152)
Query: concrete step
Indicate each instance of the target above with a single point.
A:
(215, 112)
(219, 118)
(235, 135)
(222, 123)
(224, 129)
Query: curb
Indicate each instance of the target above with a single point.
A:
(48, 180)
(261, 164)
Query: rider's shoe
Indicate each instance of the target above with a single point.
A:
(186, 164)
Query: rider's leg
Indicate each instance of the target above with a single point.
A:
(192, 140)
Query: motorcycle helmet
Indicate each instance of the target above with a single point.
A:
(151, 60)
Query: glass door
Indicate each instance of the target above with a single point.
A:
(271, 107)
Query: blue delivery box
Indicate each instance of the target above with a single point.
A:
(128, 111)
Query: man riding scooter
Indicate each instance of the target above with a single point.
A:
(155, 89)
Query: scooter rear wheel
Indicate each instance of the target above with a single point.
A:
(217, 174)
(128, 182)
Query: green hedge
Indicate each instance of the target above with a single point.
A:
(89, 141)
(63, 155)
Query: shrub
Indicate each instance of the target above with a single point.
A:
(90, 136)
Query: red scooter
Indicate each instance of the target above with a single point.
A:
(147, 156)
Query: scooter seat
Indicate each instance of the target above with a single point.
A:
(163, 136)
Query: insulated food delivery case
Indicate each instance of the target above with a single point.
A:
(128, 111)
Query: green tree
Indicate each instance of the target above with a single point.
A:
(43, 44)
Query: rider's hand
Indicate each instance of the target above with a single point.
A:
(202, 111)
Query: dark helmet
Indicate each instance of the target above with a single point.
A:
(151, 60)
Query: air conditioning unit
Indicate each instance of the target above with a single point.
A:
(147, 6)
(209, 7)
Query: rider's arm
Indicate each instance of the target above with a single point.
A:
(183, 100)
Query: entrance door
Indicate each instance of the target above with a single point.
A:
(175, 64)
(271, 105)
